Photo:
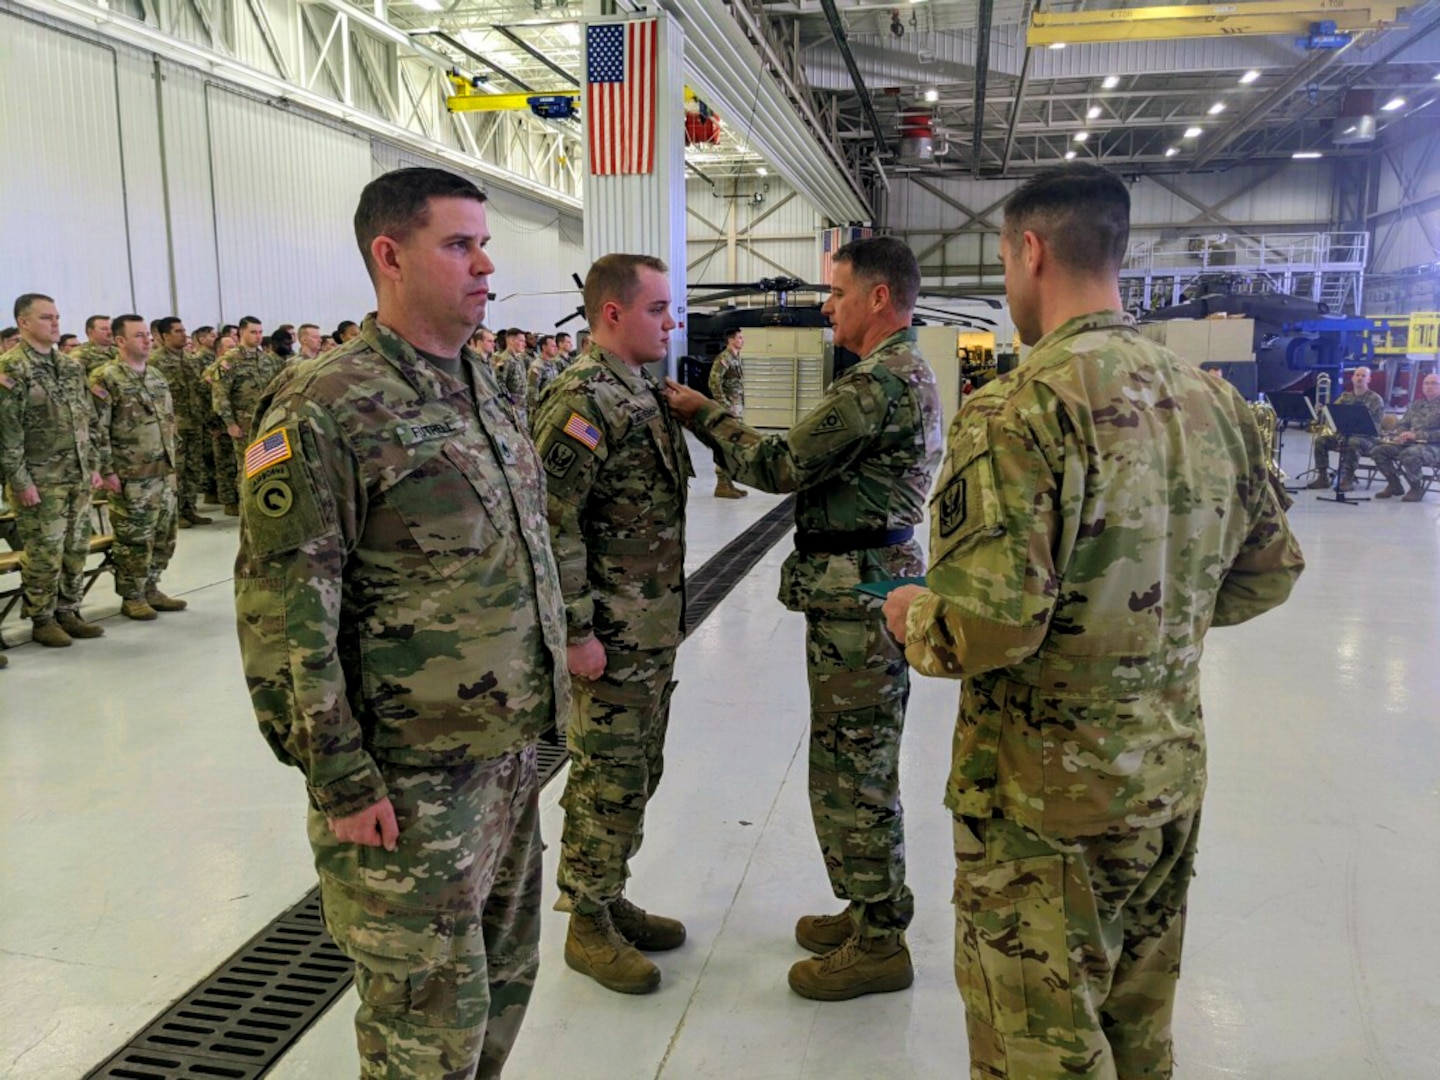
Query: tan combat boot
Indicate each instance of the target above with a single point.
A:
(1322, 480)
(232, 509)
(4, 660)
(648, 933)
(137, 609)
(724, 489)
(1391, 490)
(821, 933)
(594, 947)
(76, 627)
(863, 965)
(1415, 494)
(190, 517)
(49, 633)
(160, 602)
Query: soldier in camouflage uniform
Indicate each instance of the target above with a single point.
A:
(1100, 508)
(403, 638)
(1415, 444)
(727, 387)
(51, 465)
(542, 372)
(241, 377)
(99, 347)
(512, 369)
(191, 395)
(863, 461)
(617, 469)
(136, 435)
(222, 447)
(1349, 446)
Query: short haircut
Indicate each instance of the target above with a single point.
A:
(562, 334)
(199, 331)
(119, 322)
(228, 330)
(93, 319)
(167, 324)
(615, 277)
(308, 326)
(884, 260)
(1360, 367)
(1081, 210)
(64, 338)
(345, 325)
(543, 338)
(9, 332)
(249, 320)
(25, 301)
(398, 202)
(733, 333)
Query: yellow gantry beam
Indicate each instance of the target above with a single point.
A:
(468, 99)
(1269, 17)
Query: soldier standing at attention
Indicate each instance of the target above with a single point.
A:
(863, 461)
(403, 638)
(1100, 508)
(727, 387)
(617, 469)
(512, 368)
(1415, 445)
(542, 372)
(565, 346)
(202, 351)
(99, 347)
(51, 464)
(307, 342)
(9, 338)
(241, 377)
(1349, 446)
(135, 432)
(191, 398)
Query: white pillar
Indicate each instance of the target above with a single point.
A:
(644, 213)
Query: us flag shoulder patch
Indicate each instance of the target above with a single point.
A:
(582, 431)
(266, 451)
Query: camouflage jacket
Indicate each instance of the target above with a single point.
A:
(1423, 418)
(542, 374)
(617, 469)
(45, 432)
(92, 356)
(727, 382)
(512, 371)
(134, 421)
(1100, 508)
(395, 594)
(1373, 402)
(188, 390)
(241, 376)
(862, 460)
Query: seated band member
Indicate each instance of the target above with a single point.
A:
(1415, 444)
(1350, 447)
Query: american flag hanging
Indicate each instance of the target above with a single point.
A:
(620, 62)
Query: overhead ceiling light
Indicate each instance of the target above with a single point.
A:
(932, 95)
(1057, 44)
(1112, 81)
(1194, 132)
(429, 5)
(1305, 154)
(1216, 109)
(1092, 112)
(1437, 76)
(1394, 103)
(1171, 151)
(760, 170)
(1081, 136)
(1069, 155)
(1249, 77)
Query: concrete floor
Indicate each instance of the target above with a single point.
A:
(149, 833)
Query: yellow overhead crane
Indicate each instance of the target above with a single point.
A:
(468, 98)
(1269, 17)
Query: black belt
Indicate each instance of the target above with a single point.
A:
(838, 543)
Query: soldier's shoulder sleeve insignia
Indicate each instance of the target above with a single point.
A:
(951, 507)
(582, 431)
(832, 423)
(270, 449)
(560, 459)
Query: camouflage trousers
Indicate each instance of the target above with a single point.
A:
(1067, 952)
(617, 756)
(445, 930)
(143, 516)
(1349, 446)
(859, 685)
(54, 541)
(190, 468)
(227, 487)
(1410, 458)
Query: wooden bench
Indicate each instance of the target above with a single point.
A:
(101, 542)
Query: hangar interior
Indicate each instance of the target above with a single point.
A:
(202, 158)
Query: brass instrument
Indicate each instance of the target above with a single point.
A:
(1269, 424)
(1320, 426)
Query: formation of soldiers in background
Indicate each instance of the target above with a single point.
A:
(159, 418)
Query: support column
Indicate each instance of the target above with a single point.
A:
(640, 212)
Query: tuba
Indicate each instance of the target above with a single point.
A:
(1269, 424)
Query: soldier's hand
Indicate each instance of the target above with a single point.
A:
(684, 402)
(374, 826)
(1406, 436)
(233, 430)
(112, 483)
(587, 659)
(29, 496)
(897, 609)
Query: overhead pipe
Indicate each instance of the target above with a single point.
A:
(536, 53)
(837, 31)
(984, 15)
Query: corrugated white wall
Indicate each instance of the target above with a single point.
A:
(778, 235)
(205, 202)
(1401, 239)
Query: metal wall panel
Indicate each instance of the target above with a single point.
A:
(779, 235)
(1407, 233)
(186, 126)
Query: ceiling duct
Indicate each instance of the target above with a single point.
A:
(1356, 123)
(917, 137)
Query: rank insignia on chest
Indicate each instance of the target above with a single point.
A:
(559, 458)
(582, 431)
(832, 423)
(952, 507)
(270, 449)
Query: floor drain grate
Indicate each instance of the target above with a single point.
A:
(238, 1022)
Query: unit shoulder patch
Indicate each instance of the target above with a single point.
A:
(560, 459)
(832, 423)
